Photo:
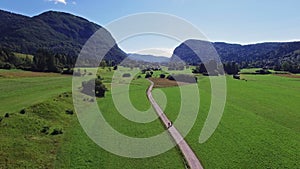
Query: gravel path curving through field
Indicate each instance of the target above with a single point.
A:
(190, 157)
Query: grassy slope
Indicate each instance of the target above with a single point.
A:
(24, 146)
(259, 128)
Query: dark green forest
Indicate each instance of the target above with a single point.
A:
(278, 56)
(60, 36)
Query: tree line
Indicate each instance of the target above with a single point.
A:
(42, 61)
(212, 68)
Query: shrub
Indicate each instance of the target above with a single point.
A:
(139, 76)
(70, 112)
(56, 131)
(162, 75)
(170, 77)
(22, 111)
(6, 115)
(126, 75)
(148, 75)
(98, 88)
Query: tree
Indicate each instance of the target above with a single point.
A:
(200, 69)
(162, 75)
(100, 88)
(103, 64)
(231, 68)
(286, 66)
(94, 86)
(148, 75)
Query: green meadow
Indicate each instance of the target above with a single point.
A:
(259, 127)
(45, 101)
(21, 92)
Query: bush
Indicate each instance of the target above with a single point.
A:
(70, 112)
(139, 76)
(126, 75)
(98, 89)
(56, 131)
(162, 75)
(170, 77)
(6, 115)
(22, 111)
(148, 75)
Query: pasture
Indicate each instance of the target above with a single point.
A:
(259, 128)
(24, 145)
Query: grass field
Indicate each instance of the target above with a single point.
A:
(259, 128)
(20, 89)
(23, 145)
(86, 154)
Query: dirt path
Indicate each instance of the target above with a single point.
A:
(188, 153)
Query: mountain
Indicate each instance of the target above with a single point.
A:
(148, 58)
(58, 32)
(255, 55)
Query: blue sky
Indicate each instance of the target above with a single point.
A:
(245, 21)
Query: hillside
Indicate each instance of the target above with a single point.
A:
(59, 32)
(148, 58)
(254, 55)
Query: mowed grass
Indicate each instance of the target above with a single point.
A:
(78, 151)
(23, 145)
(259, 128)
(27, 89)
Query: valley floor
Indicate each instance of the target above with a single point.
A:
(259, 128)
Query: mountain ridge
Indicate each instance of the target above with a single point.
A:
(61, 32)
(251, 55)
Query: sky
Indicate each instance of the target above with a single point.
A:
(233, 21)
